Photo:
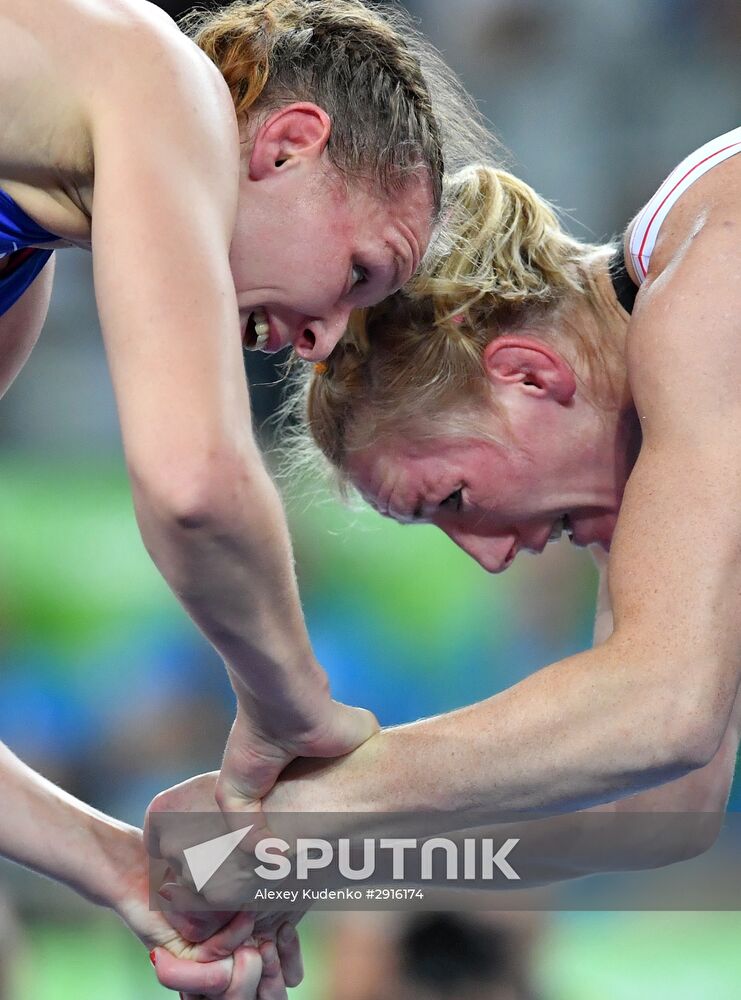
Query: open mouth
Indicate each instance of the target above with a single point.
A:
(563, 524)
(257, 331)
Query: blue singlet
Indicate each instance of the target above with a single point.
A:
(18, 236)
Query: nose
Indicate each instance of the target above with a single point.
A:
(317, 338)
(494, 553)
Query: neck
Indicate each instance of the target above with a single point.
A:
(612, 322)
(598, 324)
(605, 329)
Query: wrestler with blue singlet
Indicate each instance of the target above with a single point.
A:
(206, 169)
(21, 260)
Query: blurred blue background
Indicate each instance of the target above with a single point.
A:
(106, 687)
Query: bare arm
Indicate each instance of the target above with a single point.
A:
(210, 516)
(51, 832)
(704, 790)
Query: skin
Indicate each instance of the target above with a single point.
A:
(660, 501)
(185, 200)
(53, 833)
(645, 721)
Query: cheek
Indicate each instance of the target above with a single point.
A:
(325, 273)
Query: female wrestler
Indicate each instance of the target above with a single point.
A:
(520, 387)
(245, 190)
(530, 385)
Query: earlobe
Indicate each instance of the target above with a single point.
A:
(530, 362)
(295, 133)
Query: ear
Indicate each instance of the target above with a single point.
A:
(541, 370)
(287, 136)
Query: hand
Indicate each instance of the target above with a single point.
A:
(207, 954)
(257, 752)
(251, 973)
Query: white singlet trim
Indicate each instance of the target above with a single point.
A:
(647, 225)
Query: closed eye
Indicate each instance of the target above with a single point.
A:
(454, 501)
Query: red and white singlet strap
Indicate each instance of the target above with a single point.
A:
(647, 225)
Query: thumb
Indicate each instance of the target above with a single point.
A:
(250, 768)
(349, 728)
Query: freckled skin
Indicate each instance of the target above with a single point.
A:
(120, 137)
(656, 481)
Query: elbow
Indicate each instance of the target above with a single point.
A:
(692, 741)
(703, 715)
(686, 706)
(193, 495)
(694, 745)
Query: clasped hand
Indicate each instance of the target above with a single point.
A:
(226, 954)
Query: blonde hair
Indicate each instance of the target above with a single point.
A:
(502, 262)
(367, 68)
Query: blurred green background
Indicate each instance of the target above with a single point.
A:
(108, 689)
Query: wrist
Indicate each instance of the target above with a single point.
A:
(295, 706)
(115, 863)
(355, 783)
(274, 663)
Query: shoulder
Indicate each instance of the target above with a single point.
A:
(146, 67)
(160, 103)
(683, 347)
(703, 189)
(69, 68)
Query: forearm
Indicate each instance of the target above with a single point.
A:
(54, 834)
(638, 832)
(581, 732)
(225, 551)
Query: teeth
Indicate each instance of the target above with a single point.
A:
(557, 529)
(262, 329)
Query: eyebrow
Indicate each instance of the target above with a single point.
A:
(399, 264)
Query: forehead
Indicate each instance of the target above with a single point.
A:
(406, 215)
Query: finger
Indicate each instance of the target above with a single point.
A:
(246, 975)
(272, 985)
(226, 893)
(210, 978)
(250, 769)
(289, 952)
(236, 933)
(234, 817)
(186, 915)
(151, 838)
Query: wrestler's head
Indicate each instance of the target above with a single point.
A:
(342, 161)
(489, 397)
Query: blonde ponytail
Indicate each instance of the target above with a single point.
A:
(501, 247)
